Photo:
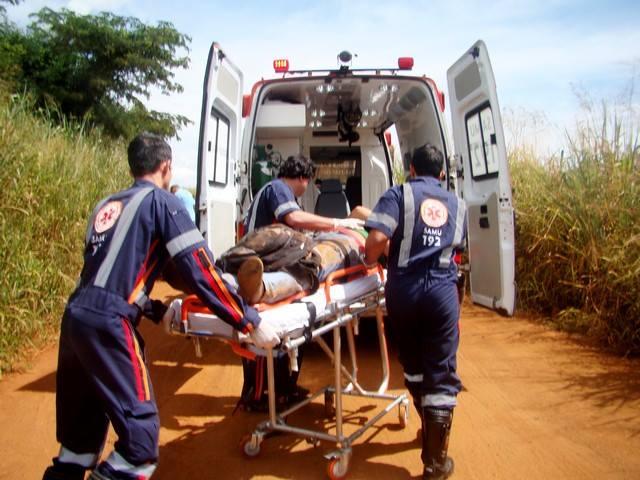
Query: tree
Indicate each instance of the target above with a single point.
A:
(100, 68)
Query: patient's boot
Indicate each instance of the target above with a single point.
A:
(250, 286)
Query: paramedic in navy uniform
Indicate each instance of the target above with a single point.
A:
(102, 376)
(276, 203)
(425, 224)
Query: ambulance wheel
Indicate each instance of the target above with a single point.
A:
(403, 413)
(337, 468)
(250, 446)
(329, 407)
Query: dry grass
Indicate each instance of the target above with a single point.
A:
(51, 177)
(578, 229)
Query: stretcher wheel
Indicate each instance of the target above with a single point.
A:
(329, 406)
(403, 414)
(250, 445)
(337, 468)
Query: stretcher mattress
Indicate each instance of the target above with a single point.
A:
(289, 319)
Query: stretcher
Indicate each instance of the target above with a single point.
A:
(344, 297)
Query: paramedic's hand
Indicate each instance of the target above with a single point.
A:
(363, 260)
(353, 223)
(172, 315)
(154, 310)
(264, 336)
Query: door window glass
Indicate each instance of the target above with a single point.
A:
(481, 139)
(219, 148)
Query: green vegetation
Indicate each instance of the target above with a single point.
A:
(578, 229)
(51, 177)
(97, 69)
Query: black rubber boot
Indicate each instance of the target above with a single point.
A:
(63, 471)
(436, 426)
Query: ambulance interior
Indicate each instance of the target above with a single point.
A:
(340, 123)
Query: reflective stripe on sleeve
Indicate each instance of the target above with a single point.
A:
(122, 229)
(86, 460)
(286, 206)
(385, 219)
(438, 400)
(409, 221)
(184, 241)
(445, 256)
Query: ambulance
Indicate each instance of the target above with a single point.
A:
(359, 126)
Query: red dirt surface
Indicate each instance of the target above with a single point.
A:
(536, 405)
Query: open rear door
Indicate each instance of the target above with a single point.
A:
(219, 150)
(486, 186)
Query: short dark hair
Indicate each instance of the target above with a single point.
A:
(146, 153)
(427, 160)
(297, 166)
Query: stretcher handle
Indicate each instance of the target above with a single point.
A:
(345, 272)
(192, 303)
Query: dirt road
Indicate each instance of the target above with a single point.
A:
(536, 406)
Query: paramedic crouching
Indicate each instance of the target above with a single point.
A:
(276, 203)
(102, 376)
(425, 224)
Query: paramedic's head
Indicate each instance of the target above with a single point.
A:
(427, 161)
(297, 171)
(150, 156)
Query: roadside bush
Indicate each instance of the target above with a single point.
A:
(51, 177)
(578, 228)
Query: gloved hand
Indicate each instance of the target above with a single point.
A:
(264, 336)
(154, 310)
(172, 315)
(353, 223)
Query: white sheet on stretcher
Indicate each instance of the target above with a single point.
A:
(290, 319)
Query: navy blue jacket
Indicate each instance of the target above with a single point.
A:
(425, 224)
(271, 204)
(130, 237)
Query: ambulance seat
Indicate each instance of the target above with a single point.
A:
(332, 202)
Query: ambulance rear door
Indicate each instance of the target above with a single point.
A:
(219, 150)
(486, 186)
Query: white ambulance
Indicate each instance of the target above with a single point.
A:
(353, 123)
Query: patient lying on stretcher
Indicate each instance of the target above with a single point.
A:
(276, 262)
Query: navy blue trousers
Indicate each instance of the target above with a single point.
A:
(423, 320)
(102, 378)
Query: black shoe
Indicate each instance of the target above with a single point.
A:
(63, 471)
(438, 472)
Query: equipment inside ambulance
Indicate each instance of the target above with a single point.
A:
(339, 117)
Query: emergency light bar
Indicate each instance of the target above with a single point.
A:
(281, 65)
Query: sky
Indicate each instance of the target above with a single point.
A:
(542, 52)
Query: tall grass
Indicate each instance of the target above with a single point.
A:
(50, 178)
(578, 228)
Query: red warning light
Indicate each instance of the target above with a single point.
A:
(281, 65)
(405, 63)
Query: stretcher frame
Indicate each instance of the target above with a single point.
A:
(335, 317)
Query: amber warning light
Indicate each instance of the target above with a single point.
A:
(405, 63)
(281, 65)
